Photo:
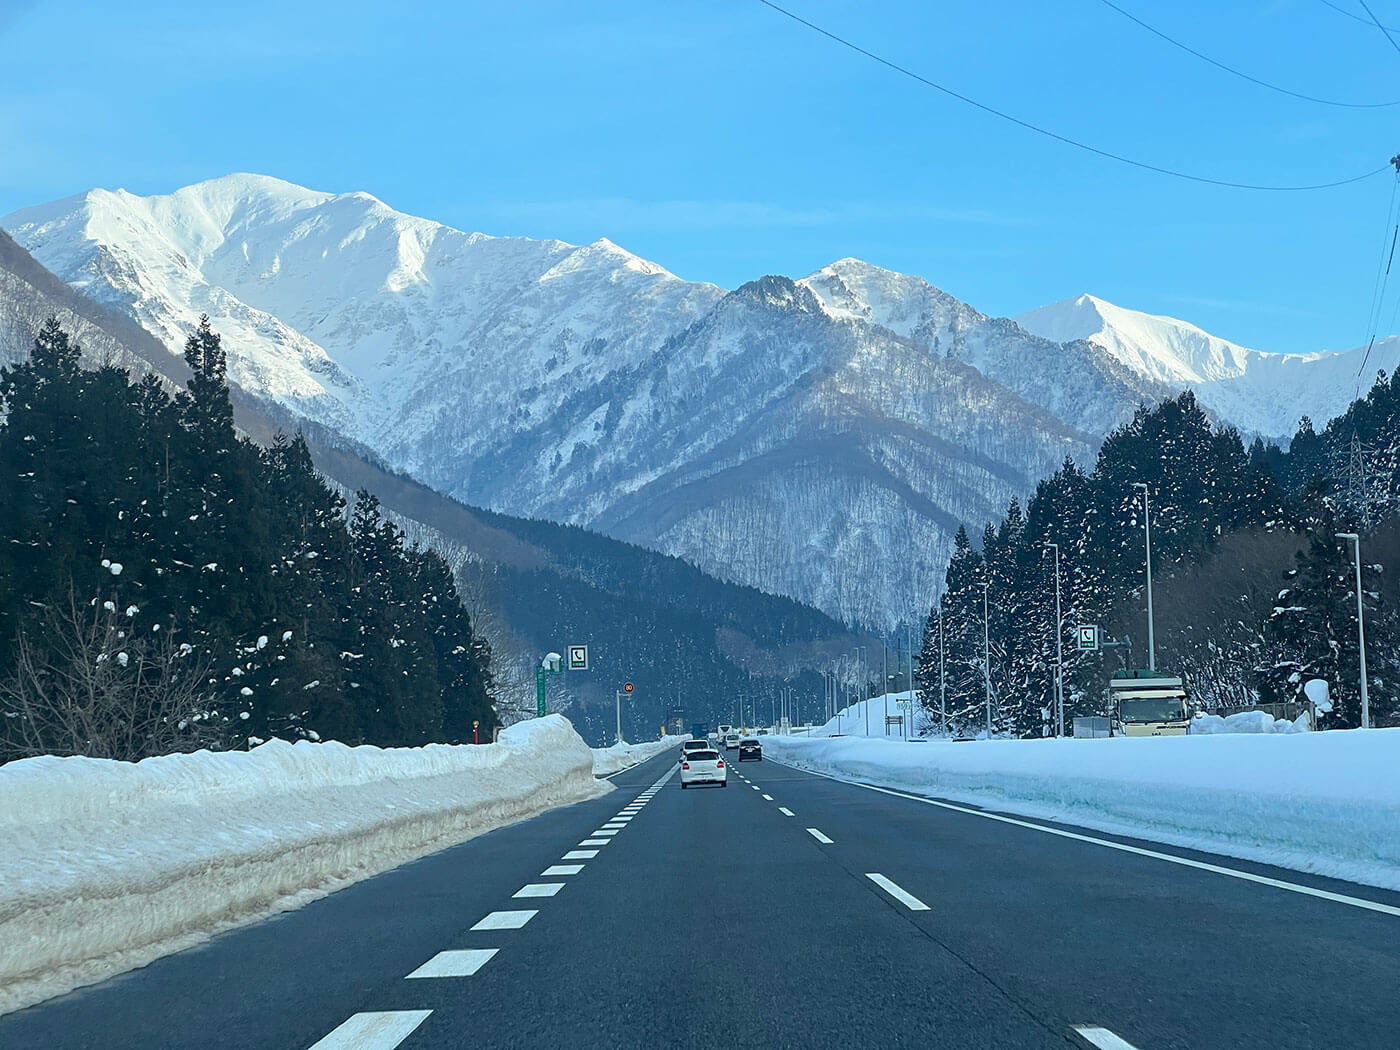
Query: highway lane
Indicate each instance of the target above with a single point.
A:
(712, 916)
(1165, 956)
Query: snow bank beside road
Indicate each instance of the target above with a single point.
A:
(610, 760)
(1327, 803)
(109, 865)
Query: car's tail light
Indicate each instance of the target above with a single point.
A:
(685, 765)
(719, 764)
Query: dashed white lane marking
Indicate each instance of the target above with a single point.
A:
(819, 836)
(1186, 862)
(1103, 1038)
(538, 889)
(767, 798)
(605, 833)
(380, 1030)
(614, 825)
(457, 963)
(755, 787)
(580, 854)
(595, 842)
(562, 869)
(505, 920)
(785, 811)
(898, 893)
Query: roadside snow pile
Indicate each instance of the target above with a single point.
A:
(109, 865)
(867, 717)
(1249, 722)
(1327, 803)
(609, 760)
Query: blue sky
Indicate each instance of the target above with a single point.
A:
(724, 141)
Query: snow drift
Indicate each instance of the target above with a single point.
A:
(1327, 803)
(110, 865)
(610, 760)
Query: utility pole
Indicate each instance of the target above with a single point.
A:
(865, 689)
(1360, 628)
(1059, 648)
(987, 652)
(1147, 532)
(885, 684)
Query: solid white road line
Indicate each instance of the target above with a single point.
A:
(595, 842)
(580, 854)
(538, 889)
(819, 836)
(562, 869)
(785, 811)
(767, 798)
(1123, 847)
(1103, 1038)
(904, 897)
(382, 1030)
(456, 963)
(505, 920)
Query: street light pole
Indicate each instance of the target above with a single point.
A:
(1360, 628)
(1059, 648)
(987, 652)
(1147, 532)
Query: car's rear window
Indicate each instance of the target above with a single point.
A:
(704, 756)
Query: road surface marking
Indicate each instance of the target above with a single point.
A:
(905, 898)
(562, 869)
(767, 798)
(505, 920)
(382, 1030)
(785, 811)
(755, 787)
(614, 825)
(1123, 847)
(595, 842)
(538, 889)
(457, 963)
(605, 833)
(1103, 1038)
(580, 854)
(819, 836)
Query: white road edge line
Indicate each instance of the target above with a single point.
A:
(455, 963)
(1103, 1038)
(819, 836)
(1262, 880)
(786, 812)
(898, 893)
(379, 1030)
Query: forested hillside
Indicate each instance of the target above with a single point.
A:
(1254, 589)
(166, 585)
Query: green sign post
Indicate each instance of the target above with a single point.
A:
(549, 665)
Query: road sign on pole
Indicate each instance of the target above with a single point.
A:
(578, 658)
(539, 692)
(628, 687)
(1087, 637)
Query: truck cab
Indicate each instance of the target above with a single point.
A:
(1149, 703)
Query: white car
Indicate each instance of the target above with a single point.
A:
(694, 745)
(731, 741)
(703, 767)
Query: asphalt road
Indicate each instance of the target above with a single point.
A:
(711, 918)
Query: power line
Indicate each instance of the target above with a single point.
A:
(1382, 28)
(1350, 14)
(1245, 76)
(1056, 135)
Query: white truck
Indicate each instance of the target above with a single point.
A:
(1149, 703)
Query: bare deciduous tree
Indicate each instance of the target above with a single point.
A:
(88, 680)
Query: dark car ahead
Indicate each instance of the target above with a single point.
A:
(750, 747)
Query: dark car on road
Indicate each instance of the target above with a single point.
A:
(750, 747)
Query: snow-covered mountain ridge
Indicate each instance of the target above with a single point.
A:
(821, 438)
